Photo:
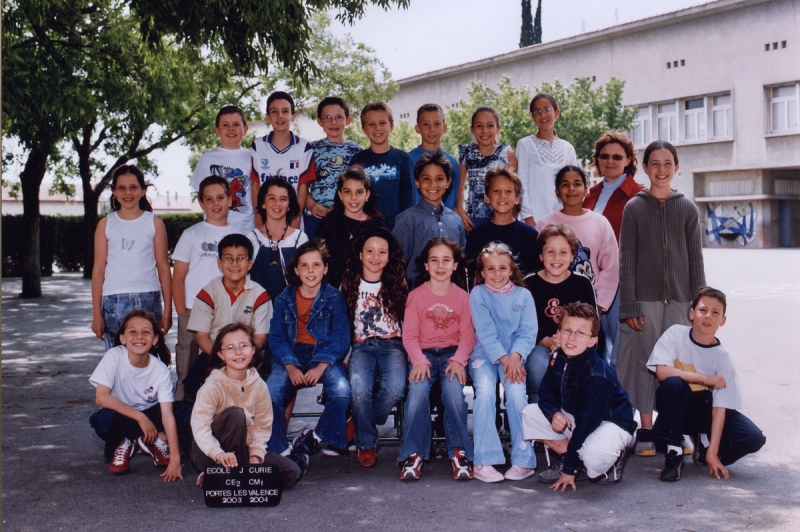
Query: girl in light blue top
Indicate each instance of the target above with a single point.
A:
(505, 333)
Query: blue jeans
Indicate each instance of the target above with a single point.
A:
(488, 450)
(609, 324)
(112, 427)
(370, 410)
(310, 224)
(536, 366)
(417, 421)
(117, 306)
(332, 422)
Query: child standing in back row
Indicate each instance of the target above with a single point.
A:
(431, 126)
(661, 269)
(231, 162)
(131, 265)
(541, 156)
(475, 159)
(331, 156)
(389, 168)
(505, 330)
(282, 154)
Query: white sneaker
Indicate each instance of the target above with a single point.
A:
(519, 473)
(487, 473)
(687, 445)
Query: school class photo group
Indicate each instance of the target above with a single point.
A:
(396, 278)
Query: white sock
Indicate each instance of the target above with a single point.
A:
(704, 440)
(314, 433)
(287, 451)
(678, 450)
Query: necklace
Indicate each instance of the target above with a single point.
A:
(273, 244)
(347, 225)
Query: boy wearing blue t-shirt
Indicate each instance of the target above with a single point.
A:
(331, 156)
(431, 126)
(389, 169)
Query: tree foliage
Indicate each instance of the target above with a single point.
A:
(586, 112)
(537, 24)
(253, 33)
(526, 35)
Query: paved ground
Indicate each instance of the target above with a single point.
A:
(54, 477)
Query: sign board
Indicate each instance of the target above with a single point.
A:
(244, 486)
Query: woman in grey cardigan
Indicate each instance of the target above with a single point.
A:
(661, 269)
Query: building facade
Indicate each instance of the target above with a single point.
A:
(720, 80)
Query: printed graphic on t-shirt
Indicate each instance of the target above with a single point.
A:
(553, 309)
(384, 172)
(582, 263)
(151, 395)
(440, 315)
(371, 320)
(330, 158)
(209, 250)
(238, 182)
(127, 245)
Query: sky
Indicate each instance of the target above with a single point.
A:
(435, 34)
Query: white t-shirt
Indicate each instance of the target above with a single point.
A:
(197, 247)
(676, 348)
(139, 388)
(371, 320)
(233, 165)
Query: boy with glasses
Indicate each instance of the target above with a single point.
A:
(583, 414)
(331, 156)
(228, 299)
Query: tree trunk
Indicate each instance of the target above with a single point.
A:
(31, 179)
(90, 218)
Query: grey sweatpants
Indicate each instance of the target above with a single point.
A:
(635, 348)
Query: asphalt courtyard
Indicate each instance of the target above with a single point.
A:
(54, 476)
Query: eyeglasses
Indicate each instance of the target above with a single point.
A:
(337, 118)
(604, 157)
(238, 260)
(578, 334)
(244, 349)
(539, 112)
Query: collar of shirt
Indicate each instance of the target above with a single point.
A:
(428, 207)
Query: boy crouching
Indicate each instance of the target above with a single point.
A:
(583, 414)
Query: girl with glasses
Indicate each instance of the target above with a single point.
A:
(540, 157)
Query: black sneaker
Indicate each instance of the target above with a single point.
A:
(699, 452)
(673, 465)
(301, 460)
(614, 474)
(306, 443)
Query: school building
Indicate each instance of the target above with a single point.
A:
(719, 80)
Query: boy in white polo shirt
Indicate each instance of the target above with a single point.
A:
(228, 299)
(195, 259)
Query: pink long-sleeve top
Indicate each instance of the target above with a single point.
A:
(438, 321)
(598, 252)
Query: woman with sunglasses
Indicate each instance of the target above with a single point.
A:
(615, 160)
(540, 157)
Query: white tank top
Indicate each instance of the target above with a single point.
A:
(131, 263)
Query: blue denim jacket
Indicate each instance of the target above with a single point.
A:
(586, 387)
(327, 323)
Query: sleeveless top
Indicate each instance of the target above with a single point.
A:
(477, 165)
(131, 262)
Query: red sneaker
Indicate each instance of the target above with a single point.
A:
(461, 468)
(121, 462)
(158, 451)
(368, 457)
(412, 468)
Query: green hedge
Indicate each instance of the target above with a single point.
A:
(61, 241)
